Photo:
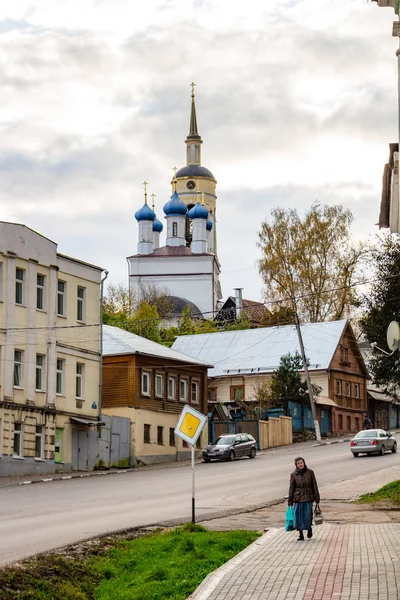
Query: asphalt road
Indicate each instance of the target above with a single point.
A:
(41, 517)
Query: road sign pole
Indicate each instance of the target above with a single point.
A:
(193, 488)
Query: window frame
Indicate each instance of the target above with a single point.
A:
(41, 292)
(146, 433)
(61, 298)
(80, 380)
(40, 369)
(80, 304)
(19, 436)
(160, 435)
(233, 389)
(145, 375)
(172, 379)
(19, 363)
(184, 382)
(39, 435)
(172, 441)
(60, 377)
(20, 286)
(348, 389)
(158, 377)
(195, 398)
(174, 229)
(357, 391)
(339, 389)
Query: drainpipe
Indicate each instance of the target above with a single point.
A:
(101, 346)
(238, 302)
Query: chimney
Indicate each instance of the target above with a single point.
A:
(238, 301)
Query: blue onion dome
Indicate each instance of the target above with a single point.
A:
(209, 225)
(198, 212)
(175, 207)
(157, 226)
(145, 214)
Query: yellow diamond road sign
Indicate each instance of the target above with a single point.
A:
(190, 424)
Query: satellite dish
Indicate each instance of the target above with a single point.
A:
(393, 335)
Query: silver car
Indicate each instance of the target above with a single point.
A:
(373, 440)
(229, 447)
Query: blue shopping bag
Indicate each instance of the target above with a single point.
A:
(289, 524)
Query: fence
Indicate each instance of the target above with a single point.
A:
(269, 434)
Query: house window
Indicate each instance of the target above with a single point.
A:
(236, 392)
(39, 442)
(345, 355)
(357, 390)
(146, 433)
(80, 370)
(340, 422)
(61, 298)
(17, 445)
(18, 358)
(357, 423)
(185, 444)
(348, 388)
(348, 419)
(159, 385)
(171, 436)
(80, 304)
(19, 286)
(40, 287)
(160, 435)
(183, 390)
(60, 376)
(195, 392)
(171, 388)
(338, 387)
(145, 384)
(39, 384)
(174, 229)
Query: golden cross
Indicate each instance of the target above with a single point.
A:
(152, 199)
(192, 86)
(145, 191)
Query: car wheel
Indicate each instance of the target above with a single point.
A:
(252, 453)
(207, 459)
(394, 449)
(231, 455)
(382, 450)
(355, 454)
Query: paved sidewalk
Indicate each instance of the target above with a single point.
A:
(342, 562)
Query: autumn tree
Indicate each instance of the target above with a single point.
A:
(311, 259)
(381, 305)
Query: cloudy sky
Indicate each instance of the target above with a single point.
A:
(296, 101)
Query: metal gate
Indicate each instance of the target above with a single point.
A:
(217, 428)
(80, 457)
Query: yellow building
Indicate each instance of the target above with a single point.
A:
(49, 356)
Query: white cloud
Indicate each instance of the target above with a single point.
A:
(296, 100)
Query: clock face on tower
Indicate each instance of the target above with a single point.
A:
(190, 185)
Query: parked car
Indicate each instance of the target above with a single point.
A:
(229, 447)
(372, 440)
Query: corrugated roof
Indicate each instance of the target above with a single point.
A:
(118, 341)
(260, 350)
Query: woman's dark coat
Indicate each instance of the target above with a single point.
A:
(303, 487)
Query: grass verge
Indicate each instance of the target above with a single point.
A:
(389, 492)
(158, 566)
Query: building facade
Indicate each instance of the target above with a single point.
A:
(49, 355)
(245, 358)
(149, 384)
(187, 266)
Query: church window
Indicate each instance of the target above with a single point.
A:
(174, 229)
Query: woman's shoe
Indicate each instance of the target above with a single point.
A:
(309, 533)
(301, 537)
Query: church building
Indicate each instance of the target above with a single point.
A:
(187, 266)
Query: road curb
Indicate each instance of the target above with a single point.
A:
(80, 476)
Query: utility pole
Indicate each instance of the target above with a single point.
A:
(307, 375)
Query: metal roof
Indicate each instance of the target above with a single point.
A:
(119, 341)
(253, 351)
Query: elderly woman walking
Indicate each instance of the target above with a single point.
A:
(303, 491)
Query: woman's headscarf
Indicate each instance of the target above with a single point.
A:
(304, 469)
